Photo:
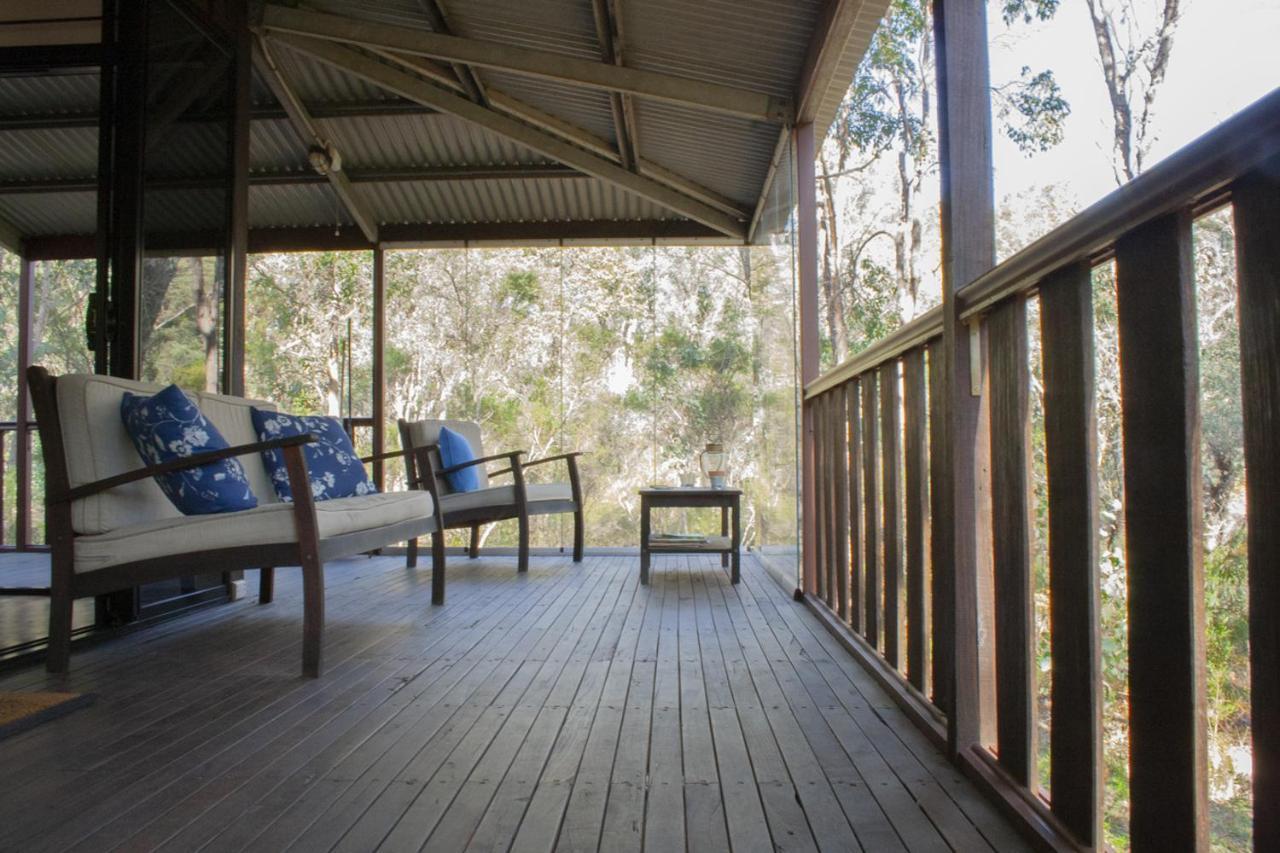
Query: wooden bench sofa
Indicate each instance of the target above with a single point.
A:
(110, 527)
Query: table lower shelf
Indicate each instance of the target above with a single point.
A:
(712, 544)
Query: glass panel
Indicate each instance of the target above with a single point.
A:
(187, 190)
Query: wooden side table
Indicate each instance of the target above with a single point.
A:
(726, 545)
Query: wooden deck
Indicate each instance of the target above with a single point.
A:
(571, 709)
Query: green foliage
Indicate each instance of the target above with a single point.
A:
(1027, 10)
(1033, 111)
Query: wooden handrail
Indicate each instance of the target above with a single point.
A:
(918, 331)
(1195, 177)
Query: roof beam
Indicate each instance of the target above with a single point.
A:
(609, 32)
(416, 89)
(537, 63)
(467, 78)
(337, 109)
(426, 174)
(308, 132)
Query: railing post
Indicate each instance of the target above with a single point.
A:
(1159, 381)
(379, 355)
(21, 435)
(968, 249)
(807, 277)
(1071, 463)
(1257, 221)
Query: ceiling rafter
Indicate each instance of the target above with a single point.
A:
(309, 133)
(334, 109)
(284, 178)
(608, 19)
(467, 77)
(538, 63)
(414, 88)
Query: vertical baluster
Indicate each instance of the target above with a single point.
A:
(1257, 221)
(1011, 536)
(829, 495)
(840, 452)
(1066, 334)
(819, 505)
(871, 511)
(941, 580)
(890, 442)
(1159, 384)
(916, 513)
(851, 394)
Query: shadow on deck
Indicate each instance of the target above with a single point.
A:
(570, 709)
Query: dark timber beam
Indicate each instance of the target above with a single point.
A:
(536, 63)
(608, 17)
(336, 110)
(304, 125)
(467, 77)
(512, 172)
(406, 85)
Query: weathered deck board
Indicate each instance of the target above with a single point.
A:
(570, 709)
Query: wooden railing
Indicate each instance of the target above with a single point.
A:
(889, 591)
(16, 501)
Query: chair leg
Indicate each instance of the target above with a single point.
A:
(312, 614)
(266, 584)
(578, 536)
(474, 550)
(437, 568)
(412, 560)
(522, 558)
(58, 659)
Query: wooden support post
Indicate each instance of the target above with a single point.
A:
(855, 505)
(1011, 537)
(1070, 428)
(1163, 519)
(968, 249)
(21, 435)
(238, 260)
(890, 443)
(840, 482)
(916, 515)
(871, 512)
(807, 274)
(821, 540)
(379, 365)
(941, 578)
(1257, 221)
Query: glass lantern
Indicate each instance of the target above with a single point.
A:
(712, 460)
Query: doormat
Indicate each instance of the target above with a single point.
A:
(22, 711)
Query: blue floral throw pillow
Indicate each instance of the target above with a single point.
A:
(169, 426)
(332, 464)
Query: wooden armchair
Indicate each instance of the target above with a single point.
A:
(419, 443)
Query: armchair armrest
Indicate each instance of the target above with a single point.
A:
(194, 461)
(378, 457)
(513, 455)
(559, 456)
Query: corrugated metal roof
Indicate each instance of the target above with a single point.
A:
(759, 45)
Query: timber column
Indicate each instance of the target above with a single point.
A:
(968, 250)
(807, 262)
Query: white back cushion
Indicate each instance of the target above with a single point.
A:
(422, 433)
(96, 446)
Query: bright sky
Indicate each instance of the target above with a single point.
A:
(1226, 55)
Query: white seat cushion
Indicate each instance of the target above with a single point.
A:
(506, 496)
(268, 524)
